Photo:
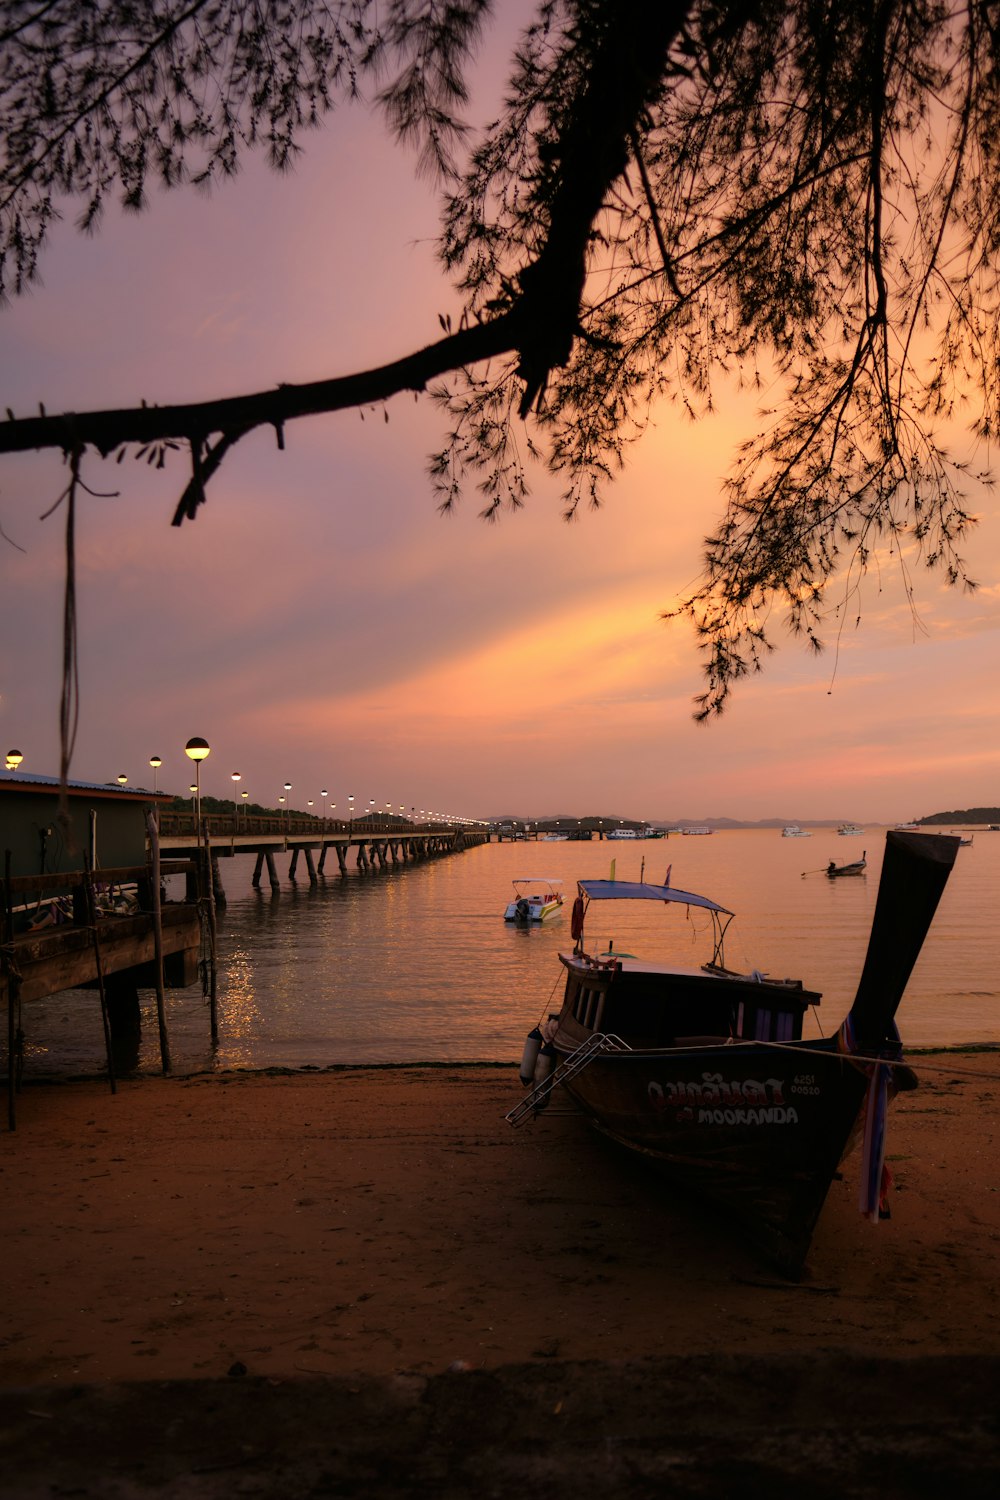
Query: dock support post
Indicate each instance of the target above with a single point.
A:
(322, 856)
(153, 828)
(342, 859)
(291, 867)
(124, 1019)
(212, 934)
(9, 969)
(310, 866)
(258, 867)
(272, 873)
(99, 965)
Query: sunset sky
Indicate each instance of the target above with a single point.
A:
(321, 623)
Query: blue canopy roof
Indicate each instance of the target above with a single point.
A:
(634, 890)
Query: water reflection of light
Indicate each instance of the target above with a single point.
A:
(240, 1016)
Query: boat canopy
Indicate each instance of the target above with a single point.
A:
(635, 890)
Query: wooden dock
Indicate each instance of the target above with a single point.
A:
(368, 844)
(107, 931)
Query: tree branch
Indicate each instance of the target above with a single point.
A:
(236, 415)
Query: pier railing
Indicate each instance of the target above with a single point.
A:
(299, 825)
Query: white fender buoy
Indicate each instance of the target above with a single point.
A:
(544, 1068)
(529, 1057)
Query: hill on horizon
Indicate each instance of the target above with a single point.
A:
(589, 820)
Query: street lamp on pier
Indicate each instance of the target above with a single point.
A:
(324, 794)
(122, 778)
(246, 810)
(350, 814)
(197, 749)
(234, 778)
(156, 762)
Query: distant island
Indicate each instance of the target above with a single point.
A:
(963, 815)
(590, 824)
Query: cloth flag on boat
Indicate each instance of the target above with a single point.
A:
(666, 878)
(875, 1177)
(871, 1189)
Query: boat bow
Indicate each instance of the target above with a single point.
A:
(915, 870)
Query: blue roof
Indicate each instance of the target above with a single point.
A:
(634, 890)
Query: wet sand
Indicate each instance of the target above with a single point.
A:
(385, 1230)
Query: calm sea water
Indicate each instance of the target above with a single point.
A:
(417, 964)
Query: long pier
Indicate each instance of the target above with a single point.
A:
(370, 843)
(146, 942)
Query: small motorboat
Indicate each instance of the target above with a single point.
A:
(850, 830)
(793, 831)
(854, 867)
(535, 900)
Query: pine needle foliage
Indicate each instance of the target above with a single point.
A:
(804, 196)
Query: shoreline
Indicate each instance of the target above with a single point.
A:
(290, 1070)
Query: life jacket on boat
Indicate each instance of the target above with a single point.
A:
(576, 920)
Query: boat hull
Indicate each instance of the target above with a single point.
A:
(534, 913)
(759, 1131)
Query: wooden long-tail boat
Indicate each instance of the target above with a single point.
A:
(704, 1071)
(853, 867)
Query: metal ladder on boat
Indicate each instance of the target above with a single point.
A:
(594, 1046)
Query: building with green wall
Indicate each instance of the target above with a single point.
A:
(107, 822)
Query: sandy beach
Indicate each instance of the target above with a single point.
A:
(388, 1226)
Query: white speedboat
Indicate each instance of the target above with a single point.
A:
(793, 831)
(535, 900)
(850, 830)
